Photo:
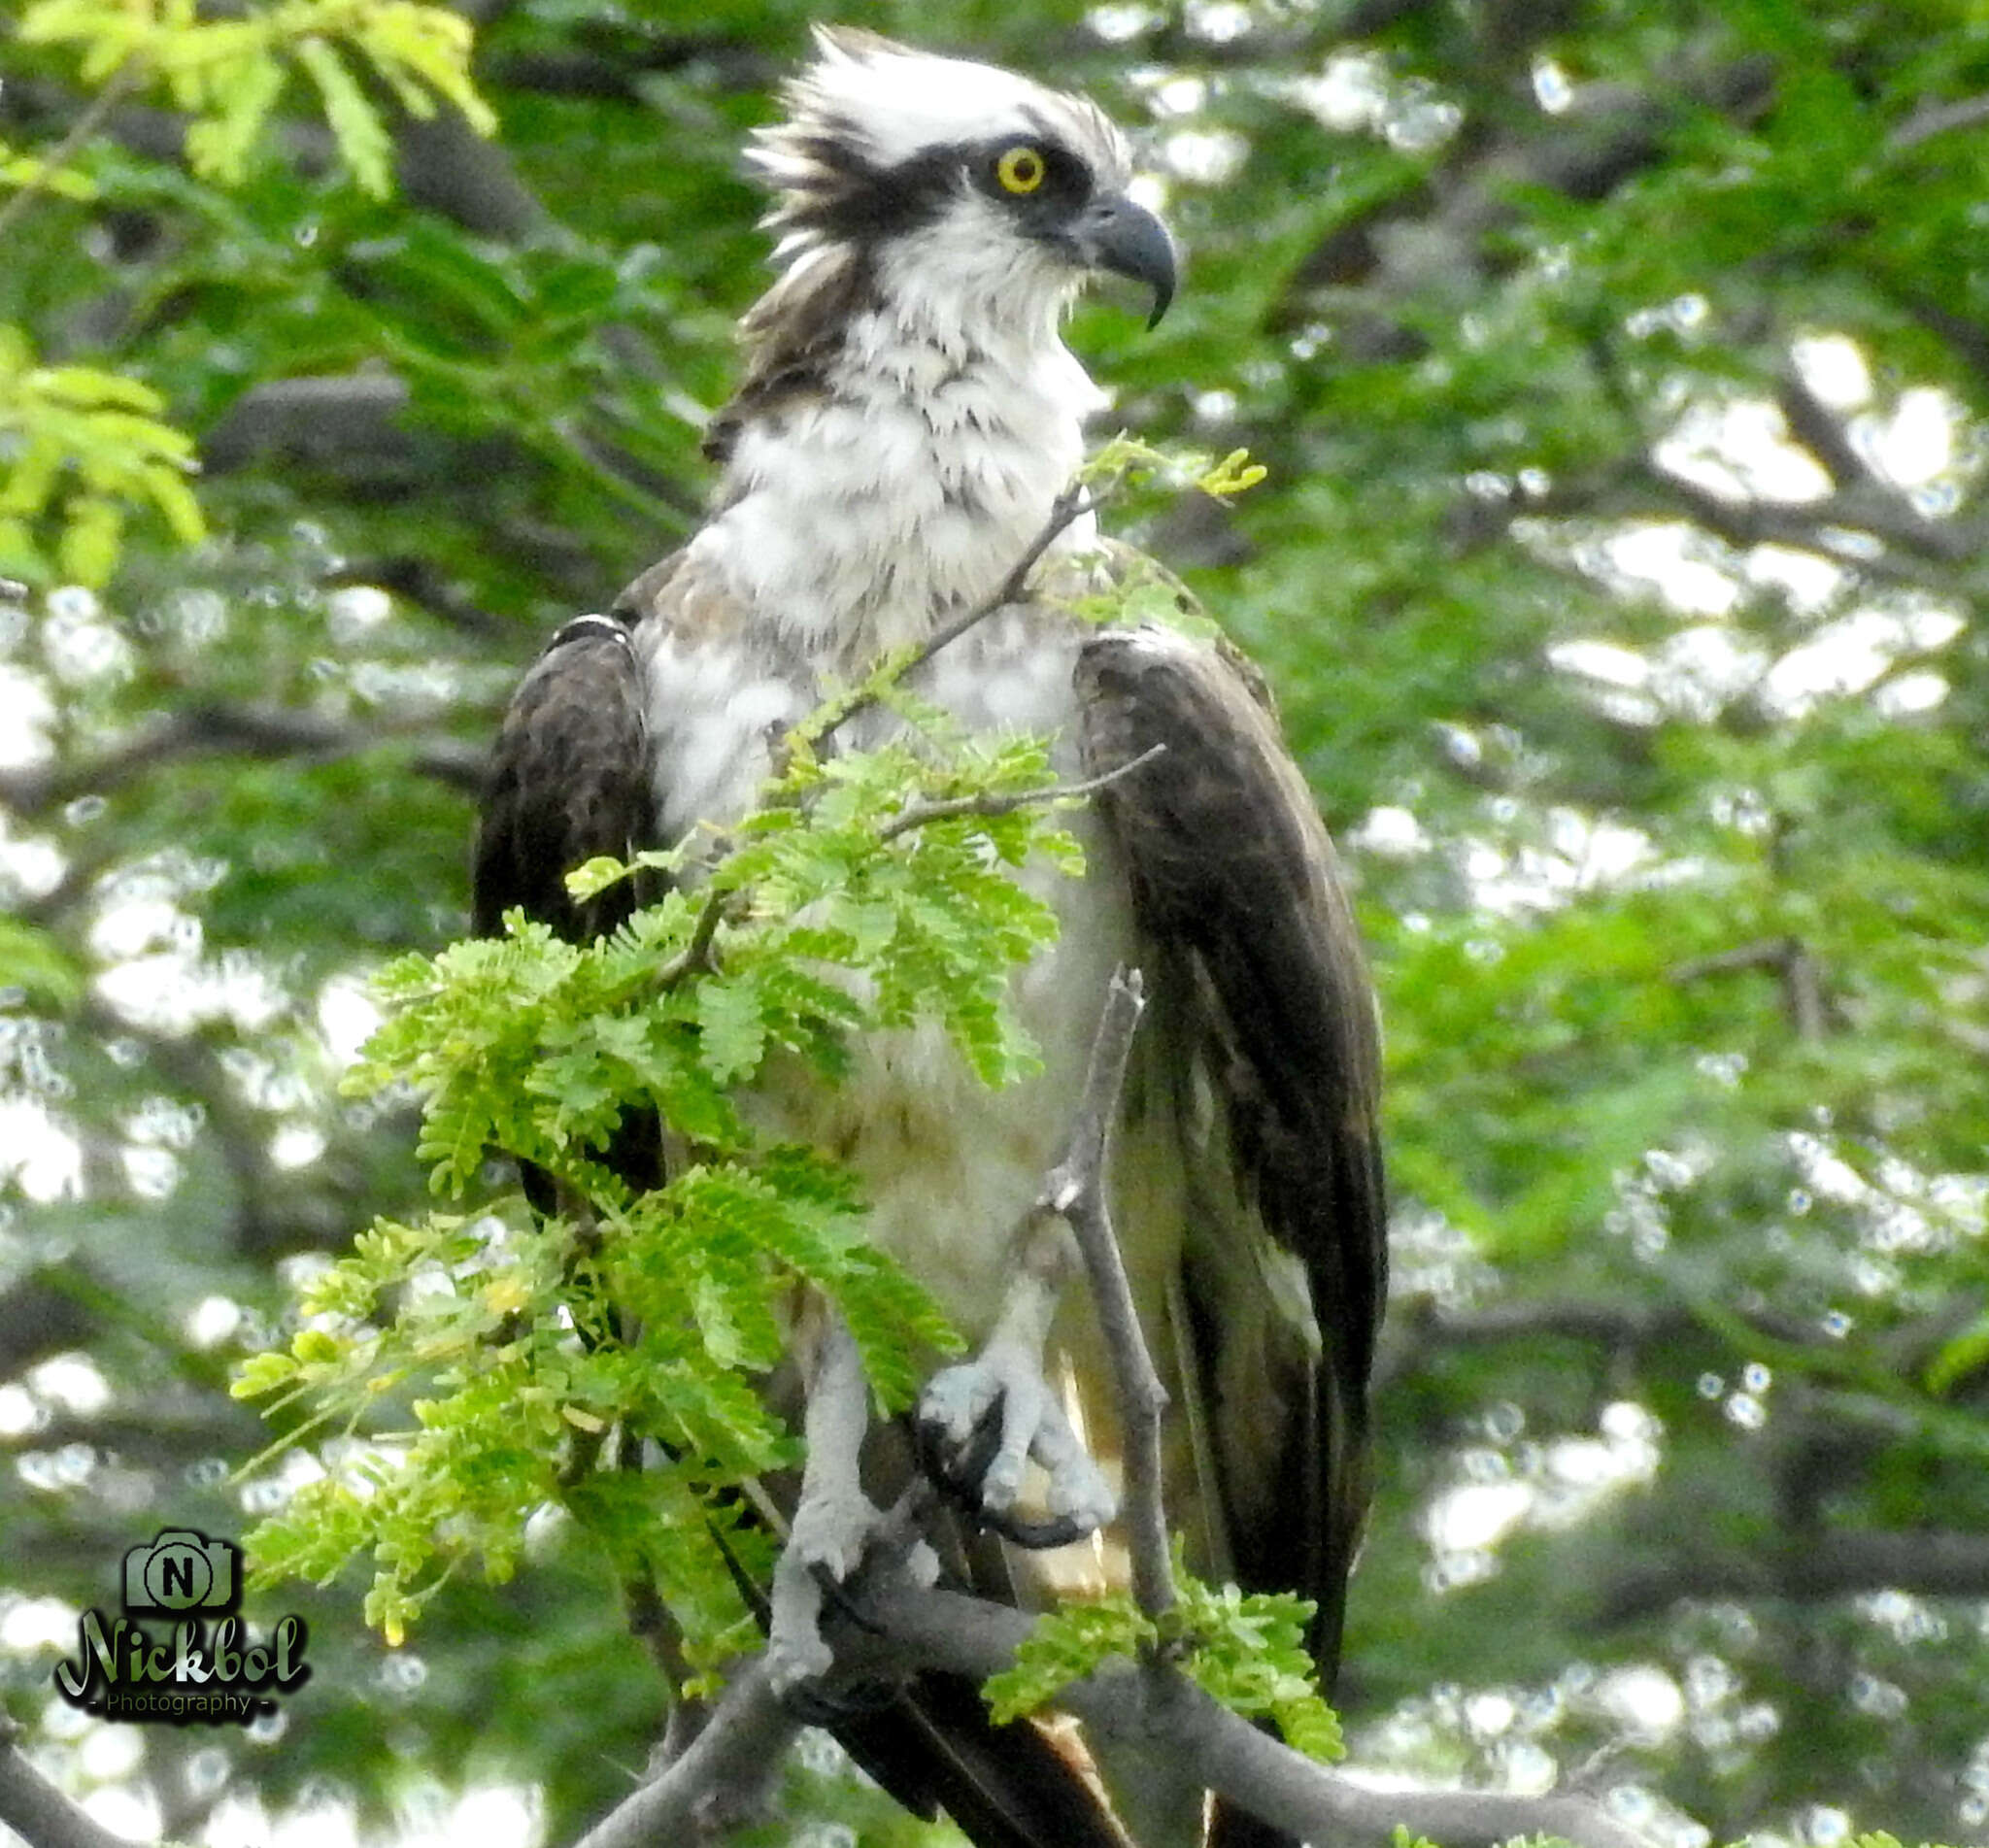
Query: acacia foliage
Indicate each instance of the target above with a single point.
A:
(1679, 942)
(858, 899)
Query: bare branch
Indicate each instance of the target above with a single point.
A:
(36, 1810)
(907, 1627)
(1069, 507)
(213, 729)
(421, 583)
(1610, 1323)
(1771, 952)
(113, 91)
(1220, 1749)
(450, 168)
(320, 419)
(1820, 431)
(1808, 1568)
(1075, 1190)
(750, 1731)
(1813, 524)
(1789, 957)
(1938, 119)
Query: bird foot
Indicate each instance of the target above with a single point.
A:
(978, 1426)
(834, 1532)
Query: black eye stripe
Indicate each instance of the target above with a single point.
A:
(858, 203)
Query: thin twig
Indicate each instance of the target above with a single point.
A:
(1771, 952)
(1938, 119)
(1791, 958)
(1070, 506)
(695, 957)
(919, 813)
(116, 88)
(1075, 1190)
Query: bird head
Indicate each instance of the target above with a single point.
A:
(964, 194)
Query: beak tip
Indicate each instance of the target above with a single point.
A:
(1130, 241)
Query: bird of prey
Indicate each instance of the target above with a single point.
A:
(908, 415)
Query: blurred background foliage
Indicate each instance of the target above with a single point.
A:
(1621, 370)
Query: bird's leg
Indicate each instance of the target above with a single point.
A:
(980, 1423)
(834, 1521)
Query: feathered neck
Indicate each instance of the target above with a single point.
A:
(894, 451)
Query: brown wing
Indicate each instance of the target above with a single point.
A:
(568, 780)
(1263, 996)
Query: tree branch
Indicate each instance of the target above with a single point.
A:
(696, 957)
(1938, 119)
(907, 1627)
(1808, 1568)
(213, 728)
(1076, 1190)
(750, 1729)
(319, 419)
(114, 89)
(36, 1810)
(1790, 958)
(1809, 524)
(1820, 431)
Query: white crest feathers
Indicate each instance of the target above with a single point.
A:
(869, 100)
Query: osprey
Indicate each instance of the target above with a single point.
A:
(908, 415)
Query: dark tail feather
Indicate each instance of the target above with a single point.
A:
(1003, 1786)
(1234, 1828)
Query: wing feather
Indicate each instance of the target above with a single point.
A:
(1263, 990)
(568, 780)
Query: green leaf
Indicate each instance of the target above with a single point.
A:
(362, 137)
(731, 1026)
(34, 963)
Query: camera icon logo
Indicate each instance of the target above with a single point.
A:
(180, 1570)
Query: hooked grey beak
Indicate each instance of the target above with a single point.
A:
(1112, 233)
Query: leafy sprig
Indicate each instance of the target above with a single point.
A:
(1244, 1649)
(85, 447)
(869, 893)
(231, 73)
(89, 445)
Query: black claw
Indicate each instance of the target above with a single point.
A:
(961, 1479)
(1060, 1530)
(982, 1448)
(815, 1705)
(835, 1592)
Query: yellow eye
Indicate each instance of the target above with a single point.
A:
(1019, 170)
